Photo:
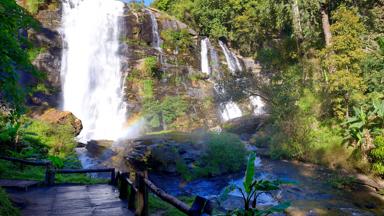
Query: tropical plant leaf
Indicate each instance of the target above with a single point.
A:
(249, 173)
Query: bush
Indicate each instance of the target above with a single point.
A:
(152, 67)
(147, 88)
(165, 112)
(33, 5)
(377, 155)
(225, 153)
(177, 40)
(59, 139)
(6, 207)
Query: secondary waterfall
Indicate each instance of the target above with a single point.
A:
(156, 41)
(92, 81)
(233, 62)
(204, 57)
(258, 105)
(230, 110)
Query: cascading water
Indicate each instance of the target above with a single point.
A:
(204, 57)
(234, 64)
(92, 81)
(215, 62)
(230, 110)
(156, 41)
(258, 105)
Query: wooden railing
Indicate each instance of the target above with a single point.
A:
(46, 164)
(135, 192)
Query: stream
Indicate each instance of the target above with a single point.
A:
(310, 191)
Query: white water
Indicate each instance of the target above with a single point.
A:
(215, 62)
(258, 105)
(204, 57)
(91, 77)
(230, 110)
(156, 41)
(233, 62)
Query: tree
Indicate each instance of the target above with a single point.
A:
(344, 55)
(13, 57)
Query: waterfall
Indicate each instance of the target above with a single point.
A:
(92, 82)
(230, 110)
(215, 62)
(204, 57)
(258, 105)
(156, 41)
(233, 62)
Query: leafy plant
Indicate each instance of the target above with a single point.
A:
(252, 190)
(162, 113)
(225, 153)
(6, 207)
(179, 40)
(152, 67)
(377, 155)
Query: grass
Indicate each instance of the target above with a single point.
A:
(34, 52)
(9, 170)
(33, 5)
(6, 207)
(156, 205)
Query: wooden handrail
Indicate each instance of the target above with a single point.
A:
(71, 171)
(74, 171)
(138, 196)
(167, 197)
(32, 163)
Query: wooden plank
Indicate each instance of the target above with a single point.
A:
(73, 200)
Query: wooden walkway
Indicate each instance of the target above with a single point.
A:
(89, 200)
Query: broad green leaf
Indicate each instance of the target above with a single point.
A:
(249, 173)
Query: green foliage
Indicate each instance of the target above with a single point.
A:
(343, 58)
(33, 5)
(225, 153)
(252, 189)
(157, 205)
(6, 207)
(365, 123)
(340, 182)
(312, 87)
(163, 5)
(164, 112)
(10, 130)
(152, 67)
(34, 52)
(10, 170)
(58, 139)
(12, 56)
(147, 89)
(377, 155)
(179, 40)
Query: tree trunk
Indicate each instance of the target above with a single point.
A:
(326, 25)
(296, 20)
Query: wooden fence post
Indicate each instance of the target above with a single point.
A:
(123, 186)
(113, 177)
(142, 195)
(49, 175)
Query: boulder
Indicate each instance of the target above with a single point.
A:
(55, 116)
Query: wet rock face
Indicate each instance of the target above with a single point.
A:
(162, 153)
(49, 43)
(55, 116)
